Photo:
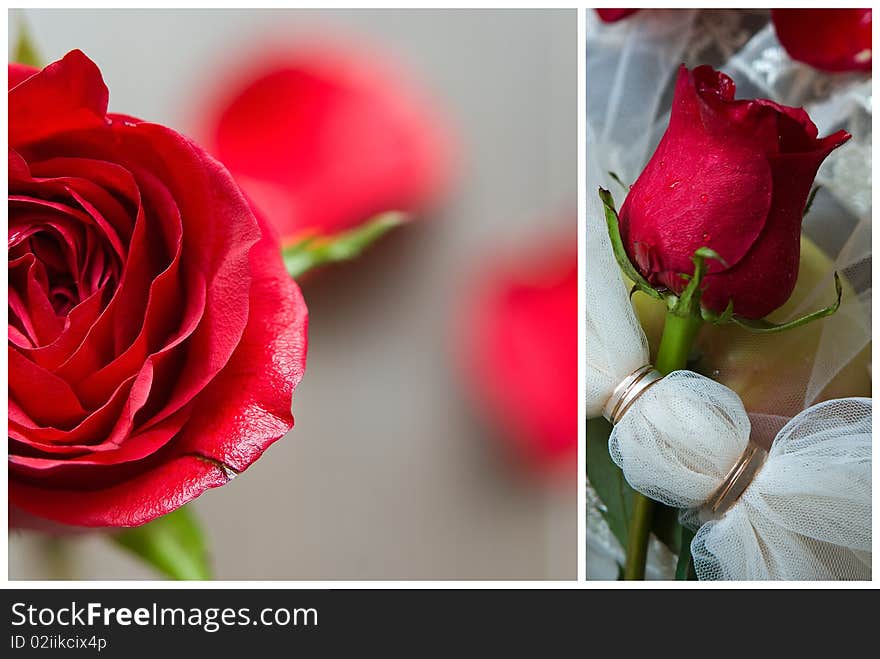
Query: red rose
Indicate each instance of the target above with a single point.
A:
(827, 39)
(519, 333)
(323, 138)
(614, 15)
(154, 337)
(733, 176)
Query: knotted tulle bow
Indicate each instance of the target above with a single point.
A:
(805, 510)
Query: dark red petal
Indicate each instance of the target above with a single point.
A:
(216, 252)
(95, 469)
(29, 301)
(108, 186)
(235, 418)
(19, 73)
(707, 185)
(131, 503)
(66, 95)
(764, 279)
(827, 39)
(323, 138)
(106, 425)
(614, 15)
(30, 386)
(18, 167)
(519, 334)
(248, 405)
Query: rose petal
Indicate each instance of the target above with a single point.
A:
(247, 406)
(102, 468)
(66, 95)
(519, 331)
(31, 385)
(827, 39)
(18, 73)
(131, 503)
(614, 15)
(323, 138)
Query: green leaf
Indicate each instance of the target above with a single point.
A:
(608, 481)
(684, 568)
(172, 544)
(665, 526)
(312, 252)
(620, 254)
(25, 52)
(764, 326)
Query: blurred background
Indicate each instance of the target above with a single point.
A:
(393, 471)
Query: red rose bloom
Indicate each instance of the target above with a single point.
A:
(155, 338)
(519, 333)
(827, 39)
(324, 138)
(733, 176)
(614, 15)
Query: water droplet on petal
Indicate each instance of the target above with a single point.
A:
(704, 197)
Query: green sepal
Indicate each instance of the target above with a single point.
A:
(612, 221)
(315, 251)
(764, 326)
(617, 179)
(172, 544)
(688, 303)
(718, 318)
(810, 199)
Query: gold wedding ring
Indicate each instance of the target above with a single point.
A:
(629, 389)
(737, 480)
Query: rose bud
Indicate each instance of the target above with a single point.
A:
(614, 15)
(155, 338)
(826, 39)
(733, 176)
(323, 138)
(518, 332)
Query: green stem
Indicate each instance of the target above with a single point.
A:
(637, 541)
(679, 334)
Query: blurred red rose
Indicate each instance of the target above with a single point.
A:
(519, 334)
(614, 15)
(827, 39)
(733, 176)
(323, 138)
(155, 339)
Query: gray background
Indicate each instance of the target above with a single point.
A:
(390, 472)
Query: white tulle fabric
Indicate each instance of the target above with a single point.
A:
(807, 513)
(612, 355)
(629, 70)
